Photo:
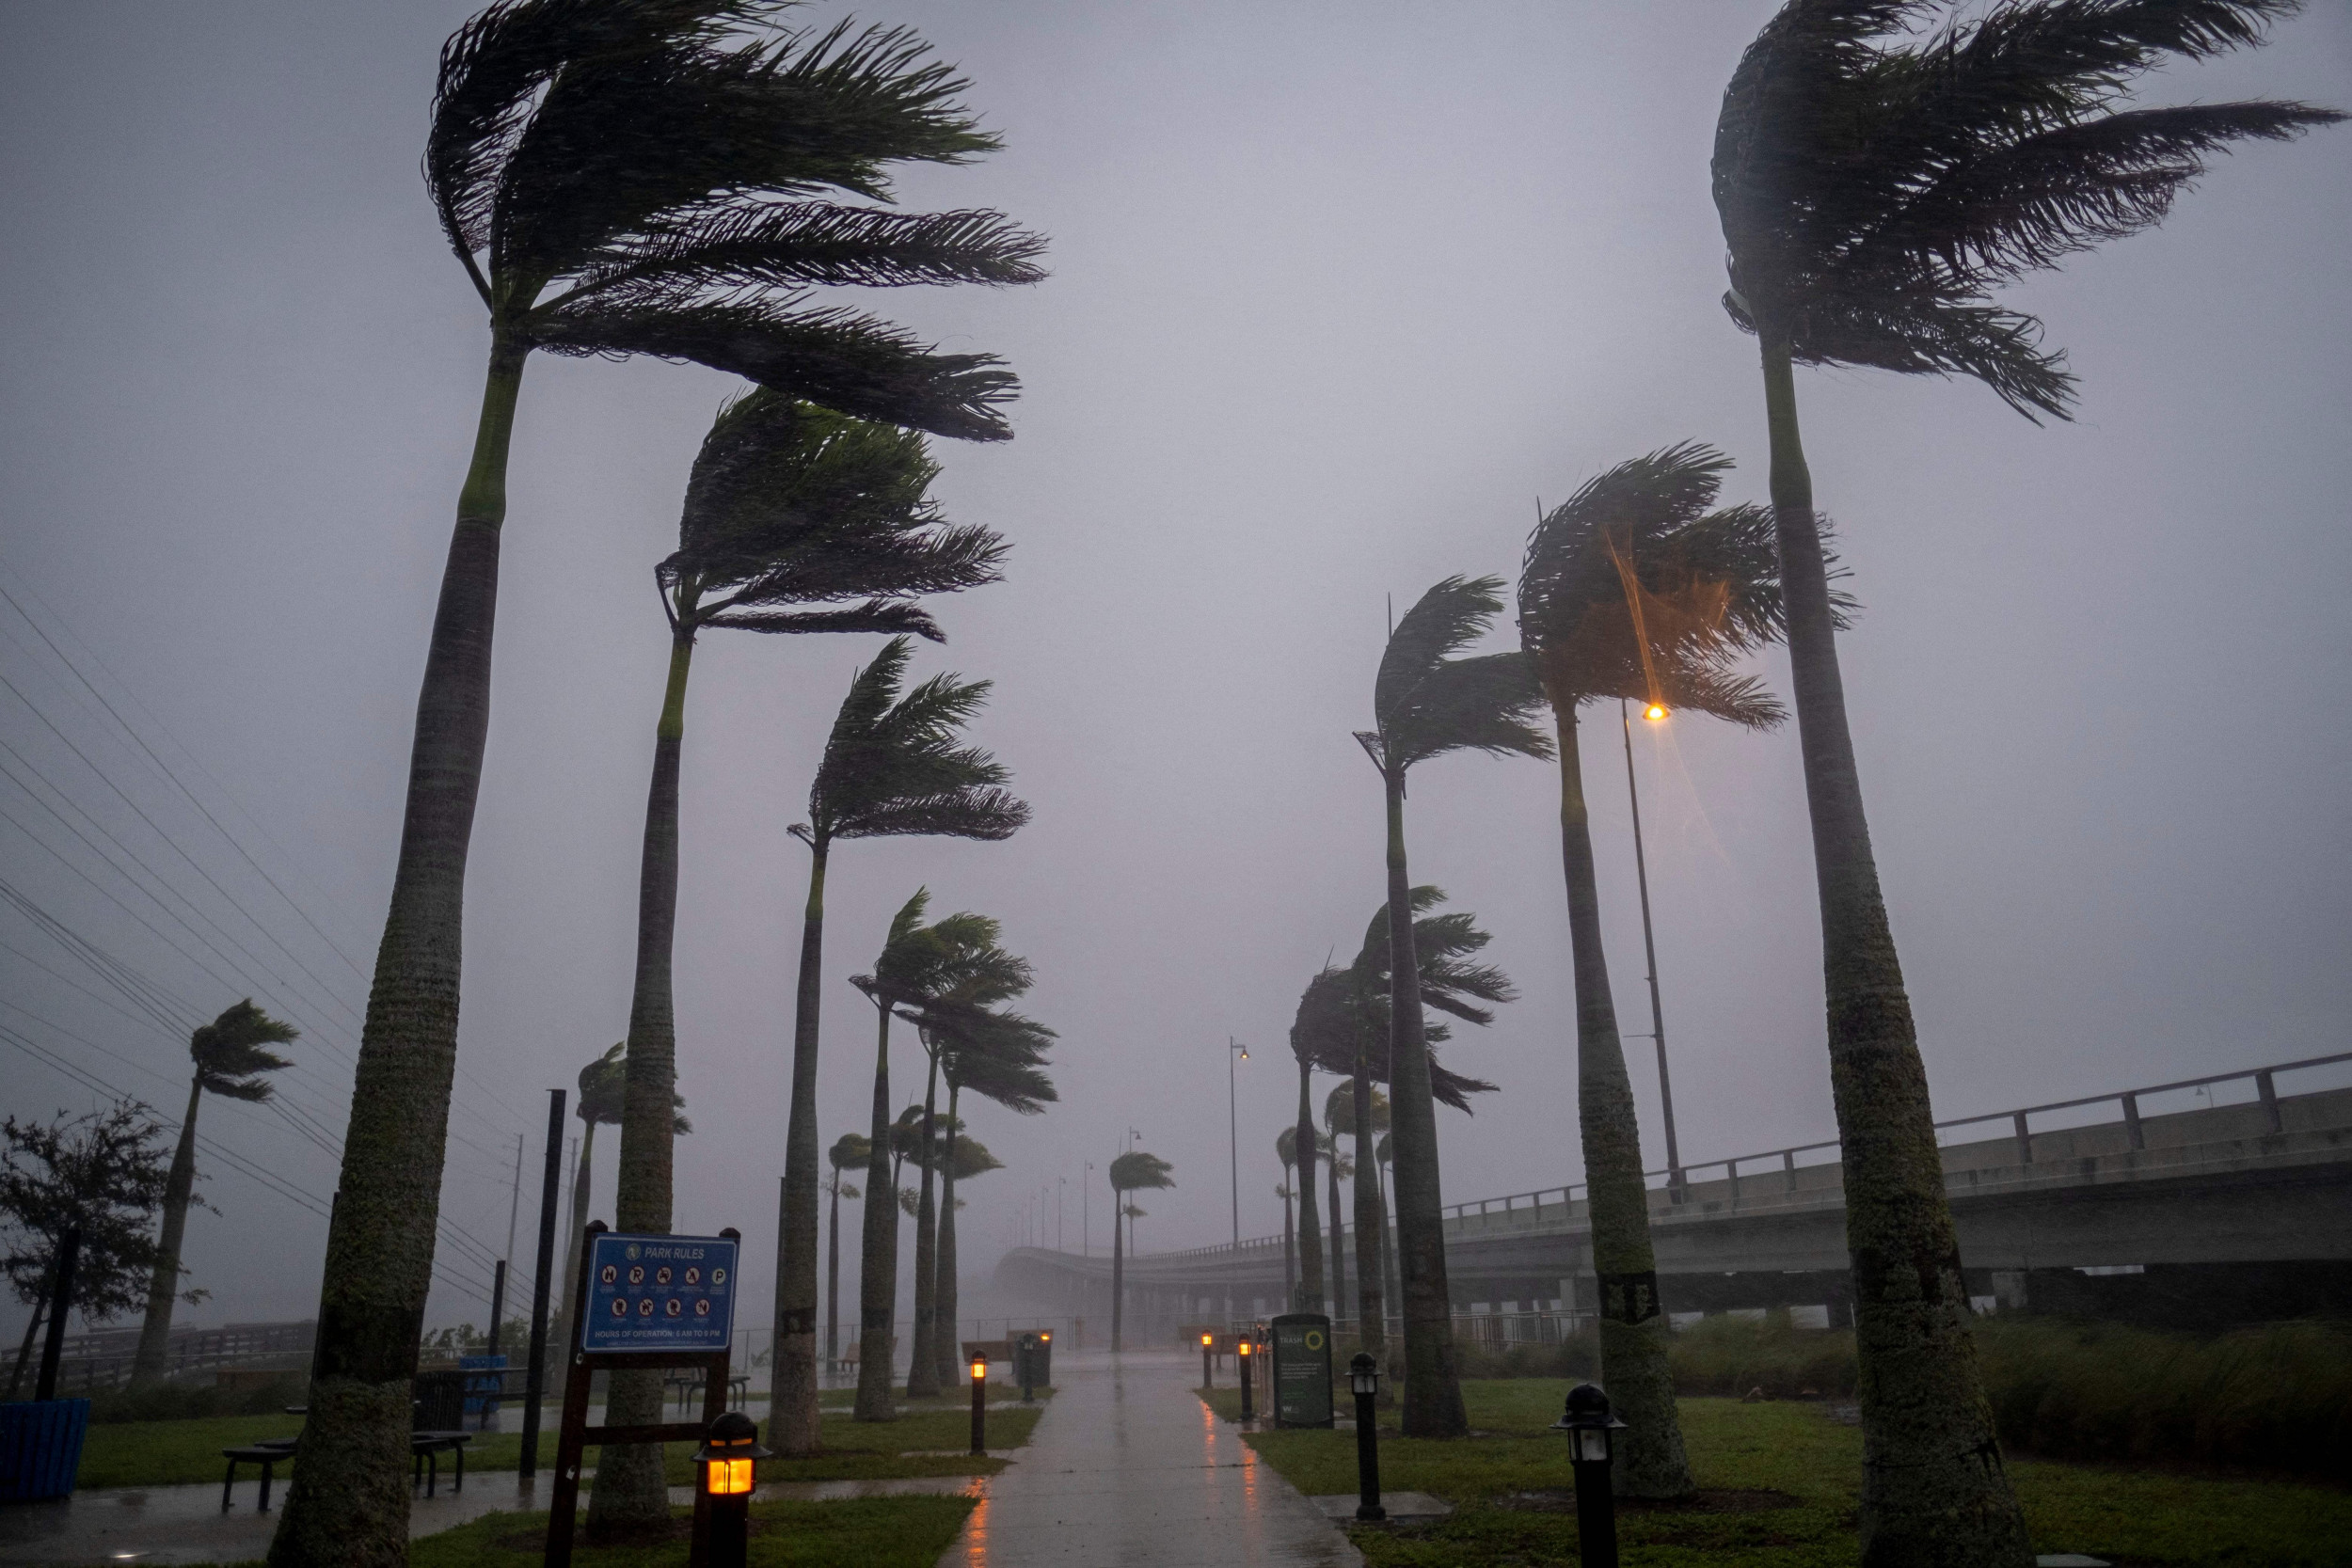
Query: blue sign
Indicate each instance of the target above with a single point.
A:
(673, 1294)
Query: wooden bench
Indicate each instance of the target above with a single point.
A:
(268, 1454)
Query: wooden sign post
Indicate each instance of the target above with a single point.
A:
(645, 1302)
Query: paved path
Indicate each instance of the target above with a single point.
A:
(1129, 1469)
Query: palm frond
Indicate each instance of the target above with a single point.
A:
(232, 1055)
(1484, 703)
(1136, 1170)
(794, 245)
(1449, 616)
(890, 615)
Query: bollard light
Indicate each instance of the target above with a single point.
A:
(723, 1467)
(980, 1404)
(1241, 1349)
(1590, 1430)
(1207, 1350)
(1363, 1381)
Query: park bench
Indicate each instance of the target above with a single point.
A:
(269, 1453)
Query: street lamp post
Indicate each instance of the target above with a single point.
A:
(1235, 1052)
(1653, 712)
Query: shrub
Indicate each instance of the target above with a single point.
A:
(183, 1401)
(1728, 1355)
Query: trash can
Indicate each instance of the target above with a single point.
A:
(41, 1448)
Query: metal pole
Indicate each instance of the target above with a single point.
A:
(1233, 1146)
(514, 1200)
(535, 1380)
(1649, 951)
(497, 1304)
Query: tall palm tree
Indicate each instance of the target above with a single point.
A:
(894, 765)
(1345, 1018)
(1286, 1151)
(1426, 702)
(1356, 1108)
(1132, 1172)
(616, 177)
(1877, 183)
(603, 1094)
(917, 963)
(1307, 1291)
(1000, 1057)
(1634, 588)
(789, 506)
(233, 1061)
(849, 1151)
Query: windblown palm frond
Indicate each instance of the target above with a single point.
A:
(1427, 703)
(1879, 178)
(1325, 1031)
(892, 765)
(1136, 1170)
(232, 1054)
(640, 177)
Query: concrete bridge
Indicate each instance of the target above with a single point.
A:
(2200, 1217)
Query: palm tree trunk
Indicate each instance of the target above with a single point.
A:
(833, 1275)
(631, 1497)
(1433, 1389)
(1387, 1255)
(1934, 1490)
(923, 1366)
(1650, 1461)
(947, 1354)
(1118, 1271)
(347, 1505)
(1290, 1244)
(793, 1425)
(1309, 1296)
(162, 1288)
(1370, 1311)
(560, 1335)
(878, 1262)
(1338, 1232)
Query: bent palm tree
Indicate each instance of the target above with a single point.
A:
(1132, 1172)
(1427, 703)
(1307, 1294)
(849, 1152)
(616, 177)
(789, 506)
(917, 963)
(1876, 188)
(892, 765)
(233, 1060)
(1633, 589)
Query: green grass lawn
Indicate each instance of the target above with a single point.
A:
(2127, 1515)
(874, 1532)
(165, 1454)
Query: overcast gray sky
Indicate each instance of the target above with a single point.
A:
(1338, 292)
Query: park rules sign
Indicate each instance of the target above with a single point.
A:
(667, 1293)
(1302, 1369)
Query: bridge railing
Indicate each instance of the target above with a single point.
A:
(1514, 1209)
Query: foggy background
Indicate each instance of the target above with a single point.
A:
(1338, 292)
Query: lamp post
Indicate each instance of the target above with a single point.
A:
(980, 1404)
(723, 1471)
(1241, 1351)
(1654, 712)
(1363, 1381)
(1235, 1054)
(1208, 1345)
(1590, 1430)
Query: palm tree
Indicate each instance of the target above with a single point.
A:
(1876, 188)
(1286, 1151)
(917, 963)
(603, 1095)
(1000, 1057)
(1633, 589)
(233, 1060)
(1307, 1291)
(616, 177)
(1131, 1172)
(1427, 703)
(789, 505)
(1359, 1109)
(892, 765)
(849, 1151)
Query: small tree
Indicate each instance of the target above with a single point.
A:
(233, 1060)
(102, 1173)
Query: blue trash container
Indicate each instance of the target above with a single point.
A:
(41, 1448)
(486, 1383)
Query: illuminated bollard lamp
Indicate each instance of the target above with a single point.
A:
(980, 1404)
(1241, 1349)
(723, 1472)
(1208, 1343)
(1592, 1430)
(1363, 1381)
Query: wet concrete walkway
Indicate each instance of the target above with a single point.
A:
(1129, 1469)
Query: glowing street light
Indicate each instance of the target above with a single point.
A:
(1655, 711)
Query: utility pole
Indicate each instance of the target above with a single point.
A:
(1675, 1183)
(1233, 1146)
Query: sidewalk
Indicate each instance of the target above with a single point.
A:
(1129, 1469)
